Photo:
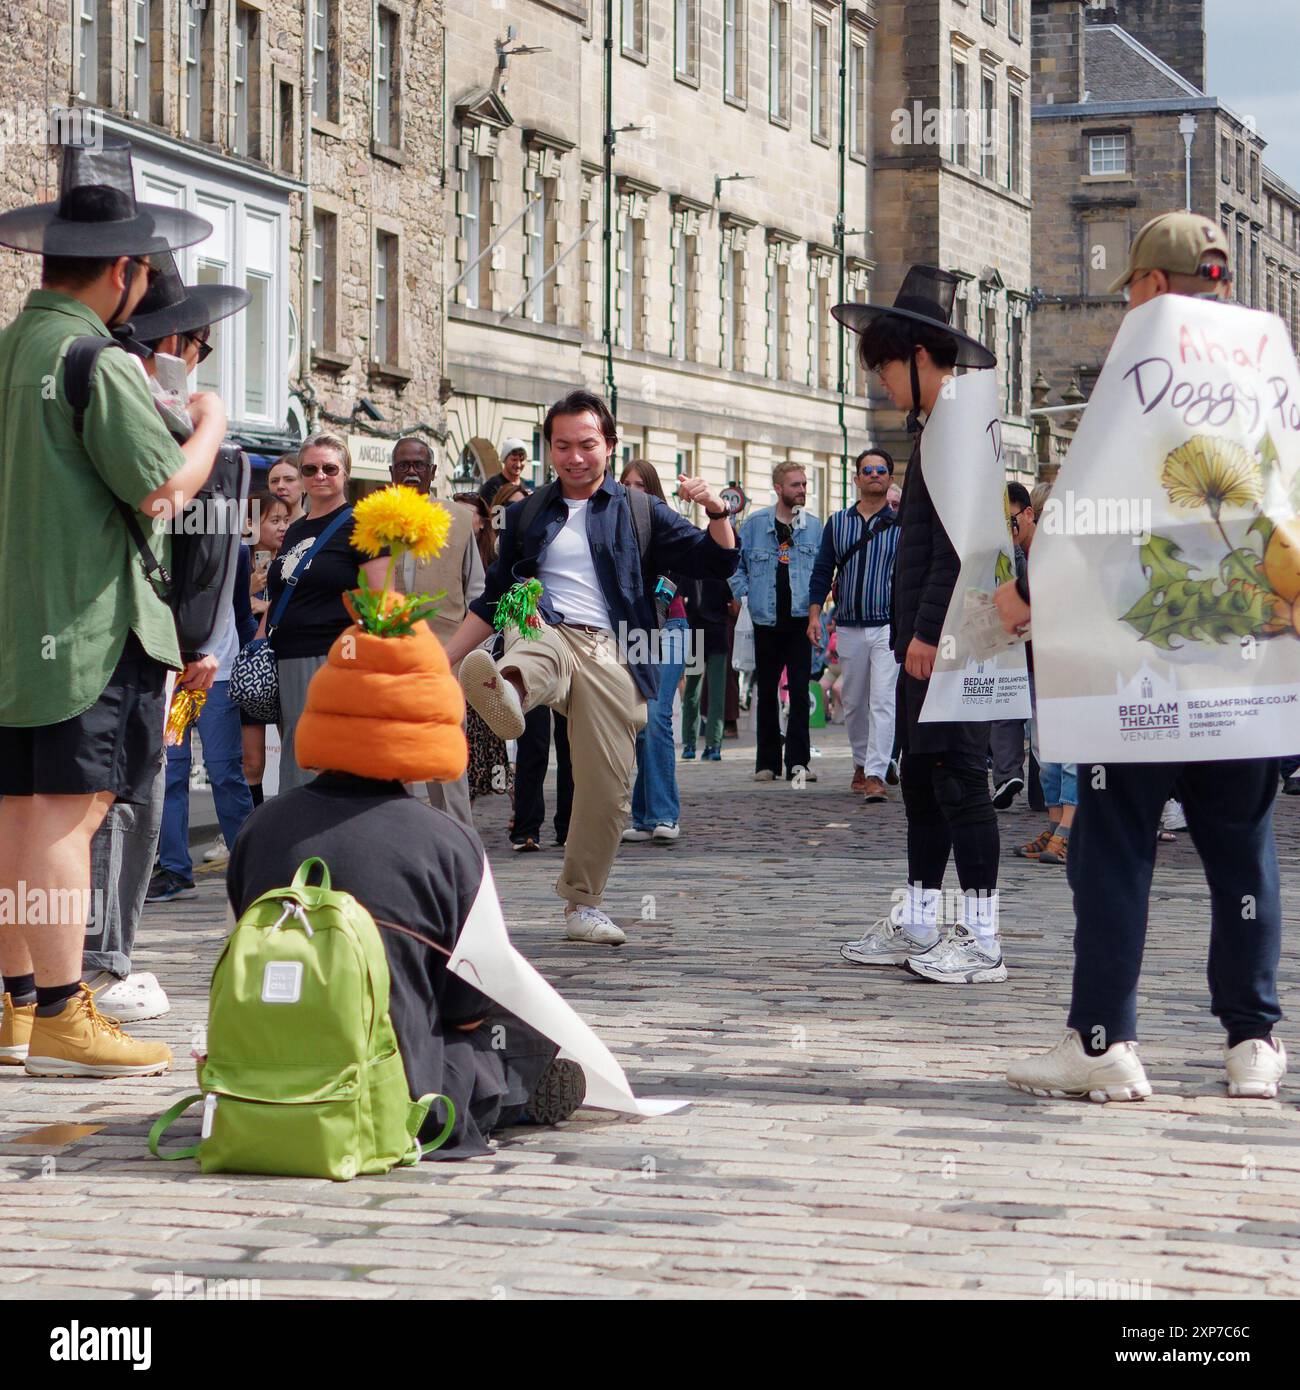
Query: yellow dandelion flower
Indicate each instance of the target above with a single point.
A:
(1210, 472)
(400, 519)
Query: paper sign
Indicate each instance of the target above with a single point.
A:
(485, 958)
(1165, 570)
(980, 672)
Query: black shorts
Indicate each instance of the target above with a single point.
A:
(113, 747)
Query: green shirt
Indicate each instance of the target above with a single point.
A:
(71, 582)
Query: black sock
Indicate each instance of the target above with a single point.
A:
(50, 999)
(1091, 1048)
(21, 988)
(255, 791)
(1252, 1035)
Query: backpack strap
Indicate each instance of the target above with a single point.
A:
(78, 372)
(533, 503)
(642, 520)
(164, 1122)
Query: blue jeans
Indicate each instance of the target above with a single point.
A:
(223, 756)
(654, 797)
(1060, 783)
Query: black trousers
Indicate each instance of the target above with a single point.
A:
(533, 757)
(1007, 745)
(784, 647)
(949, 810)
(1229, 808)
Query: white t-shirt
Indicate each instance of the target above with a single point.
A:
(568, 574)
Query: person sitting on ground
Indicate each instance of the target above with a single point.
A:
(358, 816)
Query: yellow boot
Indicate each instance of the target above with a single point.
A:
(81, 1041)
(15, 1030)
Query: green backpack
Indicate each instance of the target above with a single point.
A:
(303, 1077)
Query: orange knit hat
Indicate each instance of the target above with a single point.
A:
(385, 707)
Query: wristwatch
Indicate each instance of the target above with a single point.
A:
(717, 516)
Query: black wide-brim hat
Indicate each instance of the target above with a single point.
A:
(171, 306)
(96, 213)
(926, 296)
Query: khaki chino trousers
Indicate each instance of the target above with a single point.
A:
(579, 673)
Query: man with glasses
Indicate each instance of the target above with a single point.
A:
(857, 552)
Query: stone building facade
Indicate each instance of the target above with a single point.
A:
(952, 177)
(317, 162)
(1109, 155)
(722, 255)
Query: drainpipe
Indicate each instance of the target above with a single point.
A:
(611, 387)
(839, 242)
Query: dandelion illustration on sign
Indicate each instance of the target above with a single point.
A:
(1256, 592)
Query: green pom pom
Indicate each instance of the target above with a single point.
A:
(517, 607)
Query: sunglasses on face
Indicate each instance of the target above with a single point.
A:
(878, 469)
(202, 343)
(330, 470)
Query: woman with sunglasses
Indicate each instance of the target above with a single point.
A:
(314, 615)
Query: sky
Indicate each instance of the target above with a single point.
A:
(1251, 47)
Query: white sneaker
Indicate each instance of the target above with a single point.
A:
(765, 774)
(632, 833)
(667, 832)
(216, 851)
(885, 943)
(138, 997)
(959, 960)
(1068, 1073)
(492, 696)
(1254, 1068)
(591, 924)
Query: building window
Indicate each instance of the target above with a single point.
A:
(1241, 167)
(539, 247)
(631, 270)
(475, 211)
(87, 13)
(247, 84)
(1105, 252)
(387, 308)
(819, 369)
(141, 26)
(388, 70)
(990, 336)
(733, 307)
(778, 61)
(1225, 158)
(324, 275)
(1241, 268)
(284, 124)
(1108, 154)
(858, 106)
(686, 39)
(1016, 363)
(989, 9)
(1254, 176)
(1254, 272)
(260, 257)
(819, 95)
(778, 316)
(684, 298)
(959, 121)
(988, 126)
(634, 44)
(196, 56)
(324, 64)
(733, 50)
(1015, 135)
(1015, 21)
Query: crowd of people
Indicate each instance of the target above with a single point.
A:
(637, 613)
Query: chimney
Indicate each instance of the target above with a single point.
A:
(1058, 50)
(1173, 30)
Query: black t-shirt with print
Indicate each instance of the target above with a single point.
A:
(315, 615)
(784, 545)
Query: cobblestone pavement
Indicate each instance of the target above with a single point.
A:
(850, 1132)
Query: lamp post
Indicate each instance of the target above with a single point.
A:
(1187, 129)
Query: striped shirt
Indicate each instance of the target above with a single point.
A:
(866, 579)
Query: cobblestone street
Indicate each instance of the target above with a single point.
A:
(850, 1133)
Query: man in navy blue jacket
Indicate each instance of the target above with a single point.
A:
(594, 657)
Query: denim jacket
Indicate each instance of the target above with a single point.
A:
(756, 575)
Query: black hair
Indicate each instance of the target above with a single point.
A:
(878, 453)
(1019, 494)
(582, 403)
(76, 272)
(890, 339)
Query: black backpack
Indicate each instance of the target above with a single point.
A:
(205, 537)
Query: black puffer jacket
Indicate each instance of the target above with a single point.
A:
(925, 567)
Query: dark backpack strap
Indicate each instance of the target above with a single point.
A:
(642, 520)
(78, 372)
(532, 504)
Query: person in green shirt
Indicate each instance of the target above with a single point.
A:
(86, 641)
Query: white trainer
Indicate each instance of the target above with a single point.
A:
(216, 851)
(667, 832)
(586, 923)
(632, 834)
(492, 696)
(1254, 1068)
(1068, 1073)
(885, 943)
(959, 959)
(131, 1000)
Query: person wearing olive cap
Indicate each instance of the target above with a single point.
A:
(1229, 809)
(913, 348)
(87, 640)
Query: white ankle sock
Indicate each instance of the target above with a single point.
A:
(918, 913)
(981, 915)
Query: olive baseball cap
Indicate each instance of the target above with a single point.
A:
(1173, 242)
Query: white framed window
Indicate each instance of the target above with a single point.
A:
(959, 111)
(324, 275)
(630, 243)
(1108, 154)
(386, 347)
(194, 24)
(1015, 140)
(141, 24)
(858, 99)
(684, 298)
(819, 94)
(386, 67)
(324, 24)
(686, 39)
(87, 20)
(246, 80)
(733, 50)
(819, 336)
(1015, 19)
(538, 241)
(778, 316)
(634, 36)
(260, 257)
(778, 61)
(988, 125)
(733, 309)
